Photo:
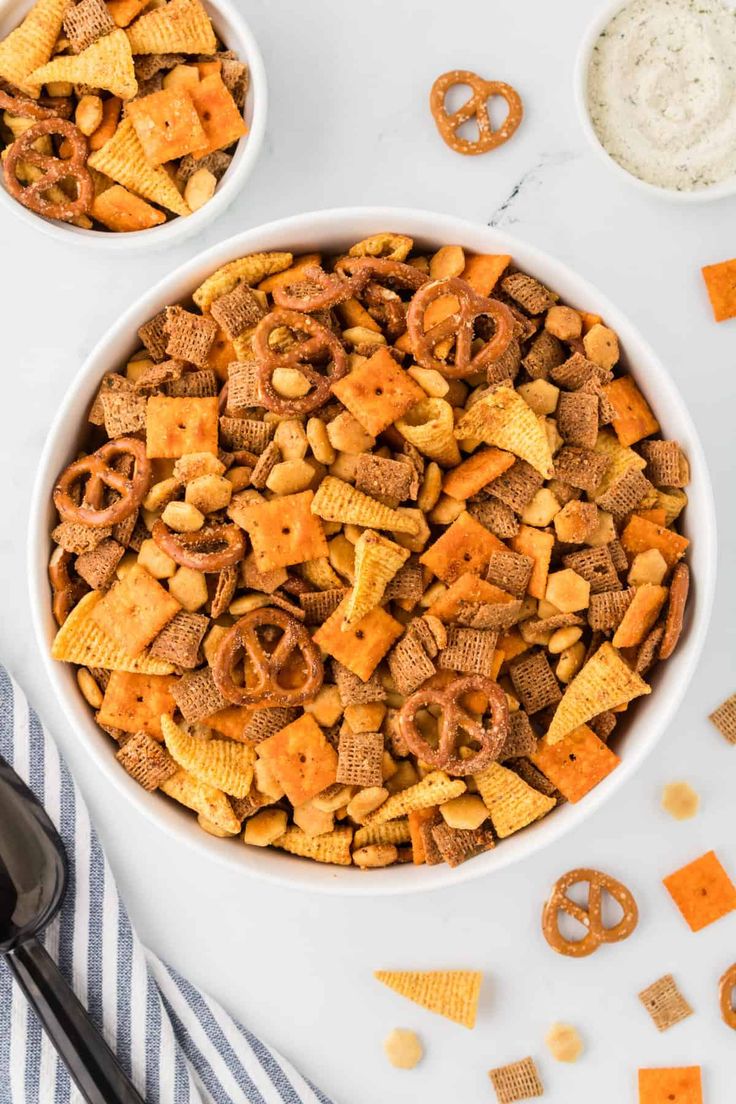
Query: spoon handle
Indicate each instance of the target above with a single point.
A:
(89, 1060)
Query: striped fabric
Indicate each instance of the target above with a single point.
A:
(175, 1042)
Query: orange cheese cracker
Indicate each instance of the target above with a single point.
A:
(136, 703)
(378, 391)
(120, 210)
(468, 588)
(301, 759)
(483, 270)
(361, 647)
(175, 426)
(634, 419)
(167, 124)
(479, 469)
(218, 113)
(465, 546)
(640, 535)
(135, 610)
(720, 281)
(537, 544)
(677, 1085)
(284, 531)
(576, 763)
(702, 891)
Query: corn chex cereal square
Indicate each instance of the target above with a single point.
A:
(135, 610)
(176, 426)
(284, 531)
(135, 703)
(378, 392)
(361, 647)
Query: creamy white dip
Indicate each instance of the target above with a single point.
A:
(662, 91)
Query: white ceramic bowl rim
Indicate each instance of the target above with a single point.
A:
(599, 22)
(333, 229)
(237, 35)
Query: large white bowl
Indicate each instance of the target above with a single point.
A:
(235, 33)
(332, 231)
(582, 64)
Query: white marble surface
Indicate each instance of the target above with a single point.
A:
(349, 125)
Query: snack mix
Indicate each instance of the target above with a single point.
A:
(366, 557)
(117, 115)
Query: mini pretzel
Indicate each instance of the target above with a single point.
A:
(727, 995)
(321, 344)
(476, 107)
(66, 590)
(53, 169)
(100, 475)
(364, 270)
(591, 917)
(319, 290)
(679, 588)
(459, 326)
(454, 720)
(261, 669)
(209, 549)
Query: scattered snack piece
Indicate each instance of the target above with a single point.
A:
(702, 891)
(596, 933)
(516, 1081)
(359, 526)
(724, 718)
(475, 108)
(184, 102)
(665, 1003)
(680, 800)
(450, 993)
(727, 997)
(564, 1042)
(677, 1085)
(403, 1048)
(720, 282)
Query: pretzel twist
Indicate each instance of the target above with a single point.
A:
(591, 917)
(476, 108)
(209, 549)
(457, 327)
(261, 686)
(53, 171)
(100, 475)
(454, 721)
(320, 344)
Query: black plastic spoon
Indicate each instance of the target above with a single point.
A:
(33, 881)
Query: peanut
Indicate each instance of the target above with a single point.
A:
(290, 383)
(430, 381)
(346, 434)
(199, 189)
(195, 464)
(446, 510)
(342, 556)
(239, 476)
(361, 335)
(213, 829)
(431, 487)
(161, 494)
(375, 855)
(247, 602)
(448, 261)
(570, 662)
(90, 690)
(290, 477)
(319, 442)
(564, 638)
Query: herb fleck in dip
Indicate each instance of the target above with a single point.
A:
(662, 91)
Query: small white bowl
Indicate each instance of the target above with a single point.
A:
(331, 232)
(235, 33)
(582, 63)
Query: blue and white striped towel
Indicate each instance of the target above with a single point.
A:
(177, 1044)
